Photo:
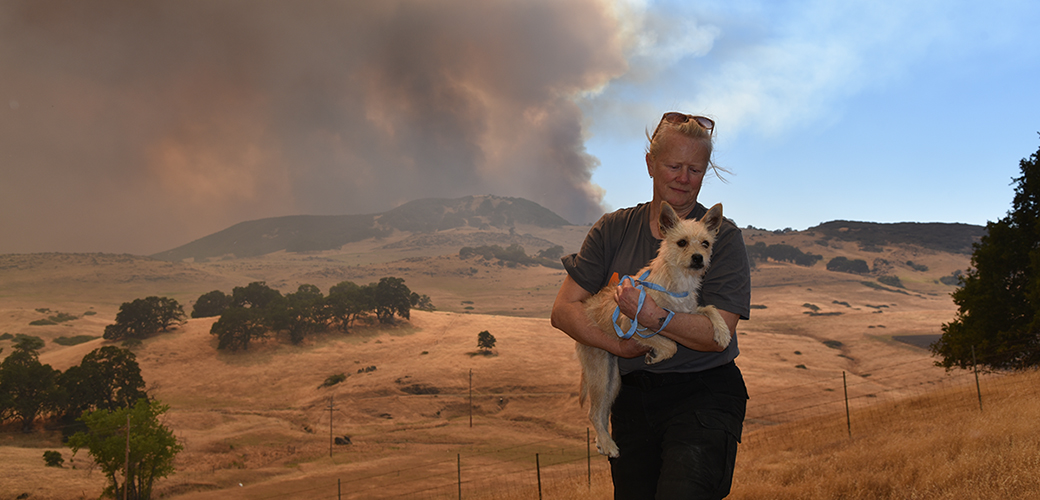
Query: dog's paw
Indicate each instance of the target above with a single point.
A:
(660, 350)
(607, 447)
(722, 335)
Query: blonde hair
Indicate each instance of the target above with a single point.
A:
(691, 129)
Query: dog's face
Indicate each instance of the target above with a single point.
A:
(687, 243)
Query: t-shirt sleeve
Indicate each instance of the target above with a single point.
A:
(588, 267)
(727, 285)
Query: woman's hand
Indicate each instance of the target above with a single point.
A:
(627, 298)
(568, 315)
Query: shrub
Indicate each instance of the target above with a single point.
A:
(332, 380)
(53, 458)
(844, 265)
(782, 253)
(58, 317)
(78, 339)
(891, 281)
(30, 342)
(953, 279)
(916, 267)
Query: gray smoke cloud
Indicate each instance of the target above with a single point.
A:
(139, 126)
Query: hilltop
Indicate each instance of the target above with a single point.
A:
(311, 233)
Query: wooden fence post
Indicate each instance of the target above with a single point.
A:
(538, 467)
(848, 417)
(975, 366)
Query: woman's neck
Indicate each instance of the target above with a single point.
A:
(655, 216)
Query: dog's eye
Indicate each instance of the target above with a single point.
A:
(705, 244)
(681, 243)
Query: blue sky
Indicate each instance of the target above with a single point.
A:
(871, 111)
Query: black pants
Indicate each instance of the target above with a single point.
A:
(677, 434)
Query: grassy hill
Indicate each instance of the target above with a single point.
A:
(312, 233)
(945, 237)
(259, 418)
(489, 214)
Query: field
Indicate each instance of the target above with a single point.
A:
(424, 410)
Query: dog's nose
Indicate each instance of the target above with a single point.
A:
(697, 261)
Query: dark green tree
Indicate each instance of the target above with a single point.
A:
(299, 314)
(107, 378)
(29, 387)
(844, 265)
(167, 311)
(551, 253)
(346, 302)
(153, 447)
(999, 301)
(391, 296)
(238, 327)
(485, 341)
(254, 295)
(140, 318)
(28, 342)
(422, 302)
(210, 304)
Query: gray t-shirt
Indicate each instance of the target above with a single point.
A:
(621, 243)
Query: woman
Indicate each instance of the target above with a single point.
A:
(677, 423)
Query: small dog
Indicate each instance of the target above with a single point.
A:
(679, 266)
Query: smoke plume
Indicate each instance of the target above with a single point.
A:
(139, 126)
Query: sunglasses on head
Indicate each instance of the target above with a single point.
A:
(677, 117)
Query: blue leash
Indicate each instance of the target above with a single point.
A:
(642, 285)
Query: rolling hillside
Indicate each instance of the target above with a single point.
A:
(259, 419)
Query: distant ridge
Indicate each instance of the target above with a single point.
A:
(306, 233)
(946, 237)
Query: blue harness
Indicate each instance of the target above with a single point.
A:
(642, 285)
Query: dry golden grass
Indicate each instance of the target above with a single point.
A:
(937, 446)
(259, 420)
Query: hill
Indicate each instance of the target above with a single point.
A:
(482, 214)
(944, 237)
(311, 233)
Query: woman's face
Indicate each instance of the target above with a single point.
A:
(678, 170)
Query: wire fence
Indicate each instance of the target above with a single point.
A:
(570, 467)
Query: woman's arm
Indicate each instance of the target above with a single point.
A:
(568, 315)
(691, 330)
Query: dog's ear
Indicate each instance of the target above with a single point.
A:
(713, 219)
(668, 218)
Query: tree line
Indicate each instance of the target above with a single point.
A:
(256, 310)
(781, 253)
(92, 403)
(107, 378)
(514, 255)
